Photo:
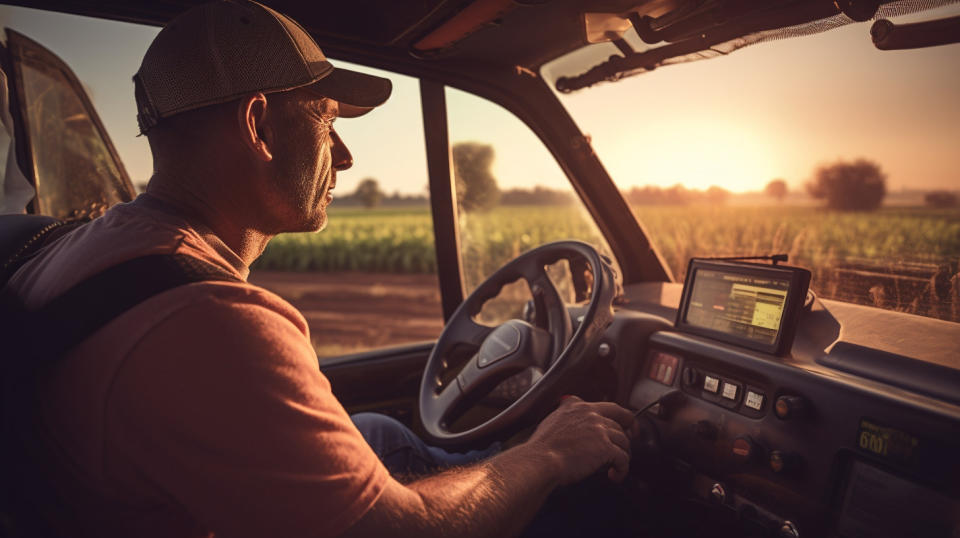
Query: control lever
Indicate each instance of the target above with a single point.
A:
(646, 440)
(670, 399)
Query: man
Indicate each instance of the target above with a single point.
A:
(201, 411)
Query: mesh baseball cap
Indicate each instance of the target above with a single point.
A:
(220, 51)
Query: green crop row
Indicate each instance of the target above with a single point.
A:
(814, 238)
(358, 240)
(401, 240)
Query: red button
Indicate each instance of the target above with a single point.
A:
(743, 448)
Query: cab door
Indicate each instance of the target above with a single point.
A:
(62, 147)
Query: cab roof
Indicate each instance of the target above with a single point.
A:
(521, 35)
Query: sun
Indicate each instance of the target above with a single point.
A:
(696, 155)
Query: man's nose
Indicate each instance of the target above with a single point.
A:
(342, 159)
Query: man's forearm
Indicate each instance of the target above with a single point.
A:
(497, 497)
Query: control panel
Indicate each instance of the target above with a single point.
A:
(782, 447)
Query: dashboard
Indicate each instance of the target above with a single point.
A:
(853, 431)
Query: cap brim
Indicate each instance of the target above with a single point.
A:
(357, 93)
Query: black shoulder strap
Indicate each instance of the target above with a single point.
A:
(86, 307)
(22, 237)
(36, 340)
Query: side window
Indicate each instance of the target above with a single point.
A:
(513, 197)
(76, 170)
(369, 280)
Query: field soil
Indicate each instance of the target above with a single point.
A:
(353, 311)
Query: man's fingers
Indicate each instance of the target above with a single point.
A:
(615, 433)
(619, 466)
(623, 417)
(619, 438)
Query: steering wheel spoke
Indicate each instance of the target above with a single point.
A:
(469, 332)
(552, 314)
(448, 401)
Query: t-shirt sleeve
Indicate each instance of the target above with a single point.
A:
(222, 407)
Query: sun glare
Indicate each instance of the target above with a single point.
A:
(696, 156)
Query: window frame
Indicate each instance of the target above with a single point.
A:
(539, 109)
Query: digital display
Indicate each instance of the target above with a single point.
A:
(886, 442)
(741, 305)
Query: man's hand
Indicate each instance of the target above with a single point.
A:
(499, 496)
(582, 437)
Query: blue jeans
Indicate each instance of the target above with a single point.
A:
(405, 454)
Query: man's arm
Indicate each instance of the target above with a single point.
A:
(499, 497)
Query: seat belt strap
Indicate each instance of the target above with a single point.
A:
(72, 317)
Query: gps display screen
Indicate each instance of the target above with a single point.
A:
(743, 306)
(752, 305)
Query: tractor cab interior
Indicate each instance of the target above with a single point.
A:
(816, 396)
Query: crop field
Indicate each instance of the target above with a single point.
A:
(899, 258)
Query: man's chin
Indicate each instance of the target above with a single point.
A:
(315, 224)
(309, 223)
(318, 221)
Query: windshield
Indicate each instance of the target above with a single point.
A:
(822, 147)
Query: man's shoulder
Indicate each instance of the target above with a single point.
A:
(238, 301)
(125, 232)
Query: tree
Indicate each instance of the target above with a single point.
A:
(941, 199)
(716, 195)
(369, 193)
(846, 186)
(476, 187)
(776, 189)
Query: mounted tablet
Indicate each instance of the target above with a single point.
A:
(751, 305)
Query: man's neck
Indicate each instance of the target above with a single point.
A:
(219, 217)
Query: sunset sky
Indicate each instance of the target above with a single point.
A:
(772, 110)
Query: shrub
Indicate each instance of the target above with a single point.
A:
(941, 199)
(856, 186)
(776, 189)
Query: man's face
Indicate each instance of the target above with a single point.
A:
(308, 153)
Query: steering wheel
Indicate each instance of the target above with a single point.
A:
(500, 352)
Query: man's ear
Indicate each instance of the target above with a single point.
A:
(256, 135)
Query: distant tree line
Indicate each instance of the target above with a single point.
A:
(675, 195)
(858, 185)
(370, 195)
(941, 199)
(539, 195)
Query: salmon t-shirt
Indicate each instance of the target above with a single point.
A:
(200, 411)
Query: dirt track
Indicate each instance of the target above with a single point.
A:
(349, 312)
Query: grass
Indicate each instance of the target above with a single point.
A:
(899, 258)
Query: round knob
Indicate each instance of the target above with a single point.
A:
(788, 530)
(705, 430)
(790, 407)
(718, 494)
(744, 448)
(782, 462)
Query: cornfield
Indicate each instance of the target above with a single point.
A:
(899, 258)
